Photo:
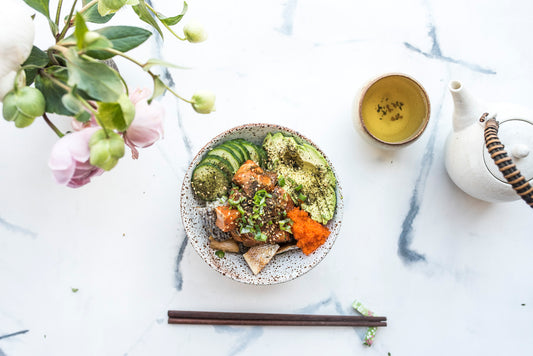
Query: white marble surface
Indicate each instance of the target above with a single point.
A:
(451, 273)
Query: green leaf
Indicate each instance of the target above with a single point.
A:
(171, 21)
(37, 59)
(123, 39)
(80, 30)
(72, 103)
(83, 116)
(159, 89)
(116, 115)
(96, 42)
(92, 14)
(145, 15)
(158, 62)
(43, 6)
(52, 92)
(98, 80)
(106, 7)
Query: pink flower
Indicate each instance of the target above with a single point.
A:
(78, 125)
(69, 160)
(147, 126)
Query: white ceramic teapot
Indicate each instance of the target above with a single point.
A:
(468, 161)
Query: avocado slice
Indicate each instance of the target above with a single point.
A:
(306, 172)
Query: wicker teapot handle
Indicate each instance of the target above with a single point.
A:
(504, 162)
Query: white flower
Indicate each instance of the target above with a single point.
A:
(16, 42)
(194, 32)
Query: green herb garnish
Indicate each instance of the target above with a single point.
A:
(302, 197)
(220, 254)
(281, 180)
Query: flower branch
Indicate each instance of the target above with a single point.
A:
(75, 80)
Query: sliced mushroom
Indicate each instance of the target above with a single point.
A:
(226, 246)
(286, 248)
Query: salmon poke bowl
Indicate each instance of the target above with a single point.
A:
(261, 204)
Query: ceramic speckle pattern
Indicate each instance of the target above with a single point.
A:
(283, 267)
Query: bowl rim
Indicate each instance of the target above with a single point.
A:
(337, 217)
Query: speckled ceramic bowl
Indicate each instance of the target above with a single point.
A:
(283, 267)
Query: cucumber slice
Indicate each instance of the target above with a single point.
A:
(220, 162)
(209, 182)
(239, 142)
(228, 155)
(252, 151)
(237, 151)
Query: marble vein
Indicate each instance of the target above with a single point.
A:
(312, 308)
(171, 83)
(13, 334)
(436, 53)
(178, 275)
(17, 229)
(248, 336)
(188, 149)
(405, 239)
(288, 17)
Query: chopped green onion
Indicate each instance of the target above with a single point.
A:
(259, 236)
(234, 203)
(270, 222)
(302, 197)
(281, 180)
(298, 188)
(240, 209)
(220, 254)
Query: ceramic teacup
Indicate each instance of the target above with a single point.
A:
(391, 111)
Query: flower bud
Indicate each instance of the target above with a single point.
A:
(106, 150)
(203, 102)
(23, 106)
(194, 32)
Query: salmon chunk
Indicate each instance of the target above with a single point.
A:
(227, 218)
(251, 178)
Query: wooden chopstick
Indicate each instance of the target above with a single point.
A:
(227, 318)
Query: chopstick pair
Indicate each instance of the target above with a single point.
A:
(266, 319)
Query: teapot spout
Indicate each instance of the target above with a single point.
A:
(466, 108)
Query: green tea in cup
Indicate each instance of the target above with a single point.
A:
(393, 110)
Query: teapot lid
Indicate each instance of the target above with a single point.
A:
(517, 136)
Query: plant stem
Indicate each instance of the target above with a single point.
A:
(68, 23)
(89, 107)
(52, 126)
(120, 54)
(56, 81)
(86, 7)
(176, 94)
(164, 24)
(58, 13)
